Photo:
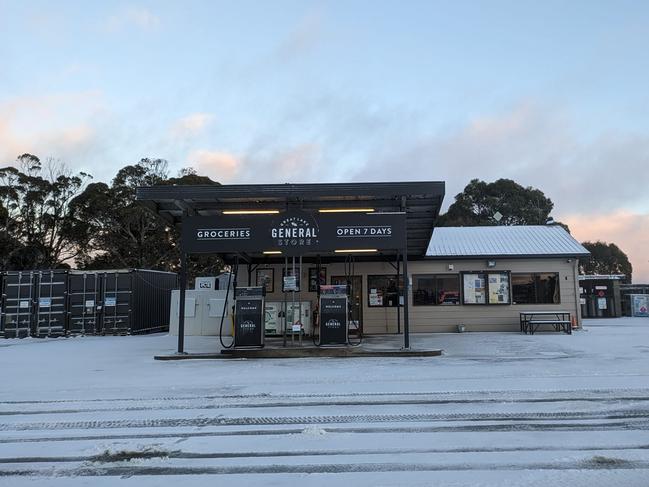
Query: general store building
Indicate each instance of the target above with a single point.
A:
(479, 277)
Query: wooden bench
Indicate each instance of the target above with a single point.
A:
(531, 321)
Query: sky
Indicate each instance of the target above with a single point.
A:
(551, 94)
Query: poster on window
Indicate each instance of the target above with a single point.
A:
(316, 278)
(265, 277)
(293, 281)
(474, 289)
(601, 303)
(376, 299)
(640, 304)
(499, 288)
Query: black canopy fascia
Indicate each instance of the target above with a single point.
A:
(420, 200)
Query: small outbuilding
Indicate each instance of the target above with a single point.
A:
(600, 295)
(496, 272)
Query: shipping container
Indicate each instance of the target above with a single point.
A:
(50, 303)
(600, 296)
(135, 300)
(55, 302)
(84, 303)
(17, 297)
(626, 291)
(34, 303)
(2, 303)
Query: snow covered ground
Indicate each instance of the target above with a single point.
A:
(496, 409)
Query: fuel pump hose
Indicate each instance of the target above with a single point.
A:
(225, 307)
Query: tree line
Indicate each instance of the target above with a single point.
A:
(51, 217)
(505, 202)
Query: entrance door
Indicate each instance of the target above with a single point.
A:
(356, 297)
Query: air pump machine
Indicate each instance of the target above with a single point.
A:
(249, 317)
(333, 315)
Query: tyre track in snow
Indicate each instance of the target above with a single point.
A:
(359, 402)
(478, 393)
(609, 414)
(311, 453)
(129, 471)
(491, 428)
(333, 419)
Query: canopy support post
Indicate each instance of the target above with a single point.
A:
(181, 304)
(406, 279)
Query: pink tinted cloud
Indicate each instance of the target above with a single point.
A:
(629, 231)
(191, 124)
(219, 166)
(59, 125)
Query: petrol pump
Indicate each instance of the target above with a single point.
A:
(249, 317)
(333, 315)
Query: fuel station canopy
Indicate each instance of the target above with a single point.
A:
(252, 219)
(262, 223)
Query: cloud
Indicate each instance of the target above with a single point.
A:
(533, 145)
(281, 164)
(219, 166)
(629, 231)
(133, 16)
(191, 125)
(302, 38)
(58, 125)
(301, 163)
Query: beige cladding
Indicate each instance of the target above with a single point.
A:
(377, 320)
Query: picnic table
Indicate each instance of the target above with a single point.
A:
(532, 320)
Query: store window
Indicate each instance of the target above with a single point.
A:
(384, 291)
(440, 289)
(485, 288)
(536, 288)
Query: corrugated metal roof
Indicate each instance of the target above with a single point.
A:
(502, 241)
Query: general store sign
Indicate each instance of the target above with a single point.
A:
(293, 232)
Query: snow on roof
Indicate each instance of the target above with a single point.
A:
(601, 277)
(501, 241)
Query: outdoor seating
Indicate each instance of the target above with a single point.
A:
(531, 321)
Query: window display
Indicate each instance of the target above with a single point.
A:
(485, 288)
(474, 288)
(498, 288)
(441, 289)
(535, 288)
(384, 291)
